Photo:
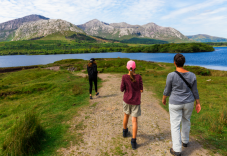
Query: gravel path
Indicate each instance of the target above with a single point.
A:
(103, 120)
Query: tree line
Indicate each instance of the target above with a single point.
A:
(40, 47)
(217, 43)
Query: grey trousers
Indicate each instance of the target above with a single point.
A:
(180, 114)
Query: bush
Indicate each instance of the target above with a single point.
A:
(100, 70)
(25, 138)
(198, 70)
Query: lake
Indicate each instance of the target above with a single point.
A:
(212, 60)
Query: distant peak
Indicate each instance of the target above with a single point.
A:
(35, 15)
(95, 20)
(151, 23)
(32, 17)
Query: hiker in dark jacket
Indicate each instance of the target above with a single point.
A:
(92, 74)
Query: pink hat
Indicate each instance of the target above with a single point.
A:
(131, 64)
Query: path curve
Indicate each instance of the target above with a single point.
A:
(103, 120)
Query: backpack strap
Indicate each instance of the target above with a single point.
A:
(189, 86)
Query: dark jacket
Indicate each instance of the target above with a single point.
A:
(92, 71)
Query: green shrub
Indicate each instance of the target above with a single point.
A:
(198, 70)
(100, 70)
(25, 138)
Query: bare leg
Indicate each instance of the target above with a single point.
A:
(125, 121)
(134, 127)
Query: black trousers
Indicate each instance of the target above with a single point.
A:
(93, 79)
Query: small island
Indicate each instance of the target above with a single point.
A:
(173, 48)
(48, 47)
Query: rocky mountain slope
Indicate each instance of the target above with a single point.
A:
(207, 38)
(44, 28)
(126, 31)
(7, 29)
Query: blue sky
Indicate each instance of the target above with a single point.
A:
(189, 17)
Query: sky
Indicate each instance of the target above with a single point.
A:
(189, 17)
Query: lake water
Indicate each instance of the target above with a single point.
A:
(212, 60)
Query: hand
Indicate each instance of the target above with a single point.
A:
(164, 101)
(141, 91)
(198, 108)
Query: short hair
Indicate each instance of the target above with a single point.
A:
(179, 59)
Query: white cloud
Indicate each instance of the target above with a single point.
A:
(192, 8)
(189, 17)
(142, 10)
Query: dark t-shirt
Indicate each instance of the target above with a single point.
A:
(132, 94)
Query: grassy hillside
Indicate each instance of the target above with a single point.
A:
(56, 96)
(135, 40)
(218, 44)
(210, 125)
(207, 38)
(42, 46)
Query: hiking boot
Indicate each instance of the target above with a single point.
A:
(185, 145)
(175, 153)
(133, 143)
(97, 94)
(125, 133)
(90, 97)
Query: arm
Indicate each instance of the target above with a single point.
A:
(164, 99)
(122, 84)
(198, 106)
(168, 89)
(196, 96)
(141, 85)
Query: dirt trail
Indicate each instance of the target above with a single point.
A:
(103, 120)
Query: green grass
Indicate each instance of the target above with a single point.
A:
(26, 137)
(69, 43)
(56, 36)
(60, 45)
(51, 95)
(56, 97)
(210, 125)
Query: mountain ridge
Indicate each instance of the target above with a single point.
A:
(44, 28)
(8, 28)
(123, 29)
(207, 38)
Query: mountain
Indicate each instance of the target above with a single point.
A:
(7, 29)
(207, 38)
(123, 30)
(43, 28)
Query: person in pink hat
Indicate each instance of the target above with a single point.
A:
(132, 86)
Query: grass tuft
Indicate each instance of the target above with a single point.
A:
(77, 89)
(25, 138)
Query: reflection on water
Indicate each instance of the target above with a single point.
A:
(211, 60)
